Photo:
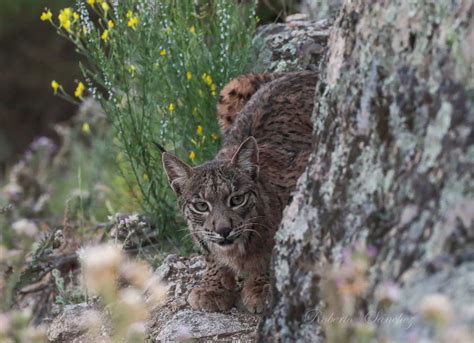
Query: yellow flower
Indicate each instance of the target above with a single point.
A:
(192, 155)
(65, 18)
(55, 85)
(199, 130)
(132, 69)
(67, 12)
(110, 24)
(91, 2)
(46, 15)
(214, 137)
(189, 75)
(105, 35)
(192, 29)
(67, 25)
(79, 90)
(105, 7)
(169, 30)
(171, 108)
(132, 20)
(199, 142)
(207, 79)
(163, 52)
(76, 16)
(86, 129)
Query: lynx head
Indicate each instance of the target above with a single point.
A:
(218, 198)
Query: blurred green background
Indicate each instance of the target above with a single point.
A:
(31, 55)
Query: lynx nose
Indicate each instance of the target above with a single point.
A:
(224, 231)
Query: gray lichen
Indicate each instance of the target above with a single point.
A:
(290, 46)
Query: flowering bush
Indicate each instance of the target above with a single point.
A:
(156, 66)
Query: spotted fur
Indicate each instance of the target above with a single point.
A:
(234, 203)
(236, 94)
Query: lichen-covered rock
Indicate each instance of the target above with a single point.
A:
(389, 191)
(320, 9)
(79, 323)
(206, 326)
(298, 44)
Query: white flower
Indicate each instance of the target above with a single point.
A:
(157, 291)
(137, 273)
(388, 293)
(25, 227)
(100, 267)
(131, 301)
(436, 308)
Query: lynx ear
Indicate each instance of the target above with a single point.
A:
(246, 157)
(177, 171)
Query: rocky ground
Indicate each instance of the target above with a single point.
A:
(174, 320)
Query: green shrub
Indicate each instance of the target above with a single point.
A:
(157, 67)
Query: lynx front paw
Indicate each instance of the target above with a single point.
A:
(255, 296)
(211, 300)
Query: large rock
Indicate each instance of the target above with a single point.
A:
(190, 324)
(384, 213)
(79, 323)
(298, 44)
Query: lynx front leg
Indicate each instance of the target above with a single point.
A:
(216, 292)
(256, 293)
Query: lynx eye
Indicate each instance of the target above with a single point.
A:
(201, 206)
(238, 200)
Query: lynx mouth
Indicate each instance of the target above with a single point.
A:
(226, 242)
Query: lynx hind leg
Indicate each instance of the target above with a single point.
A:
(217, 290)
(236, 94)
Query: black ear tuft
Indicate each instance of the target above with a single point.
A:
(246, 157)
(177, 171)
